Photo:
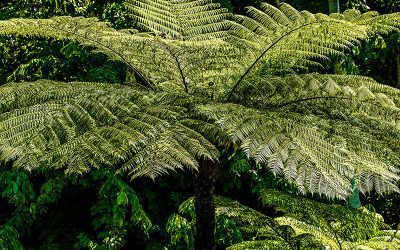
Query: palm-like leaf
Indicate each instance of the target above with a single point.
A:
(159, 63)
(186, 20)
(318, 131)
(80, 126)
(284, 39)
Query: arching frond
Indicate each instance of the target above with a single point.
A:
(363, 113)
(186, 20)
(318, 131)
(159, 63)
(350, 224)
(80, 126)
(332, 226)
(284, 38)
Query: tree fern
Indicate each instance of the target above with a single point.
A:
(210, 81)
(293, 148)
(291, 39)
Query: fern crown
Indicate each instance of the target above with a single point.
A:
(205, 79)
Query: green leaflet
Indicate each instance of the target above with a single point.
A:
(306, 224)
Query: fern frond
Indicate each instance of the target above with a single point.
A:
(305, 152)
(378, 24)
(315, 225)
(81, 126)
(355, 224)
(287, 38)
(186, 20)
(159, 63)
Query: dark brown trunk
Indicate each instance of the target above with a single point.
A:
(397, 55)
(204, 181)
(398, 65)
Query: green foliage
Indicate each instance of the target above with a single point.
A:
(117, 213)
(385, 6)
(24, 59)
(112, 220)
(237, 166)
(374, 58)
(29, 61)
(351, 224)
(206, 79)
(357, 4)
(16, 187)
(306, 224)
(181, 232)
(9, 238)
(110, 10)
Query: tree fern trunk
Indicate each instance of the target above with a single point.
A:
(204, 181)
(398, 65)
(334, 6)
(397, 54)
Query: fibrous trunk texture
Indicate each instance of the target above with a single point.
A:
(398, 65)
(204, 181)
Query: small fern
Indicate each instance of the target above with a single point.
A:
(306, 224)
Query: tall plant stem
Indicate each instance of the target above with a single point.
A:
(204, 181)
